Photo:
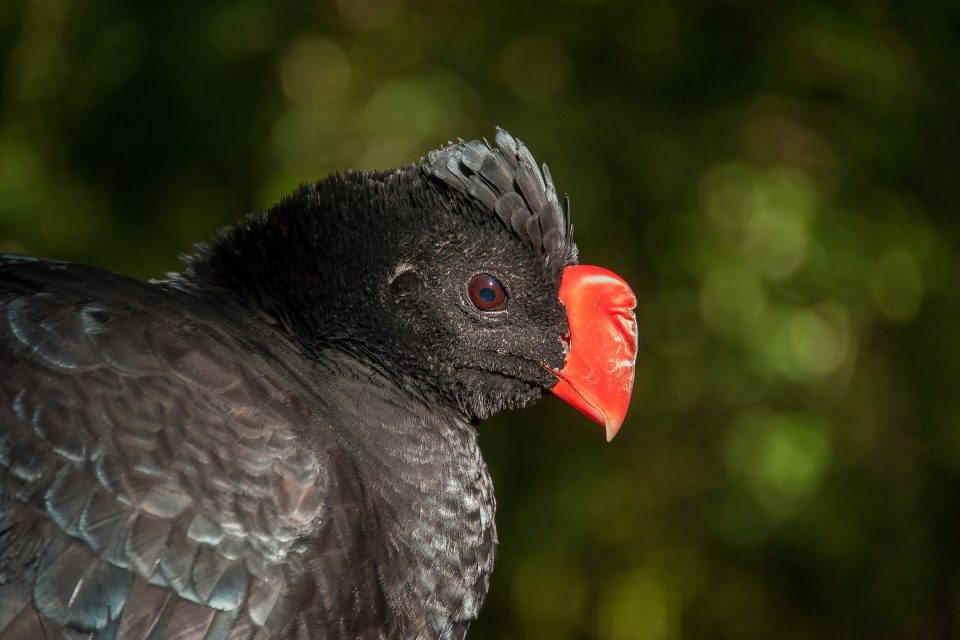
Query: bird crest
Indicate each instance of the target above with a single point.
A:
(505, 179)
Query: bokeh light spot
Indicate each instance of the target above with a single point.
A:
(315, 71)
(775, 241)
(897, 286)
(732, 300)
(782, 458)
(820, 339)
(767, 209)
(637, 607)
(416, 106)
(726, 197)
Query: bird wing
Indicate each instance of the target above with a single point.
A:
(151, 484)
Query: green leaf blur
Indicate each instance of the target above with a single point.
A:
(778, 181)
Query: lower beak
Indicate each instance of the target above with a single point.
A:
(597, 377)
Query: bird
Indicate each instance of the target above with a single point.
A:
(280, 440)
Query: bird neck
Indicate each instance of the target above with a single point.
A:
(426, 483)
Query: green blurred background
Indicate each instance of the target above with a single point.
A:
(777, 180)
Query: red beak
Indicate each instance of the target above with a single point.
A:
(597, 378)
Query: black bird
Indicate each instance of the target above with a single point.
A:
(280, 441)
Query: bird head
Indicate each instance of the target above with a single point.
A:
(457, 275)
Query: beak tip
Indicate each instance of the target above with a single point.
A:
(612, 427)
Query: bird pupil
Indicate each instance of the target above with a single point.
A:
(487, 294)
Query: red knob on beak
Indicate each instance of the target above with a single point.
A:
(597, 378)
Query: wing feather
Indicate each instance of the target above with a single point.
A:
(169, 482)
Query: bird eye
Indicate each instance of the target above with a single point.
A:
(486, 292)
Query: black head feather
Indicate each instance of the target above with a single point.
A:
(378, 264)
(506, 181)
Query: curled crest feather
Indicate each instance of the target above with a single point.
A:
(505, 179)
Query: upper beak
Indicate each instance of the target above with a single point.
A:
(597, 378)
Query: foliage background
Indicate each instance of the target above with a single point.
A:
(778, 181)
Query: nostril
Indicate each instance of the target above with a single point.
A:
(565, 341)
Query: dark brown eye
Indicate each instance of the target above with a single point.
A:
(486, 292)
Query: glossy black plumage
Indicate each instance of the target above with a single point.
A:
(279, 442)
